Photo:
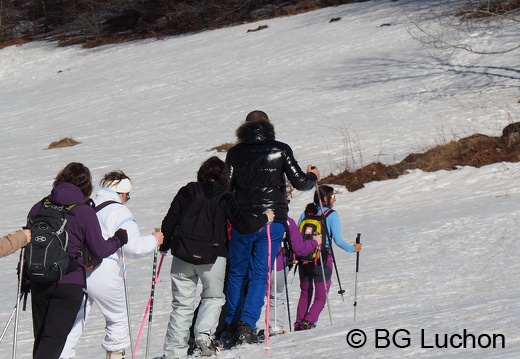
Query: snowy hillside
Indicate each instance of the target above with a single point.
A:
(440, 249)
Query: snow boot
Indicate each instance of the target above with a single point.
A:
(245, 334)
(120, 354)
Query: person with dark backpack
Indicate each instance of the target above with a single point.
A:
(195, 229)
(313, 295)
(55, 303)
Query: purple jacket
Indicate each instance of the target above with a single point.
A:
(82, 227)
(300, 247)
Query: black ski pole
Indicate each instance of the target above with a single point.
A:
(17, 314)
(287, 298)
(341, 290)
(152, 297)
(358, 240)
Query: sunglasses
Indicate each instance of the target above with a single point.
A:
(333, 196)
(127, 195)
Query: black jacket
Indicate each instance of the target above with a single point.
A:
(227, 209)
(259, 166)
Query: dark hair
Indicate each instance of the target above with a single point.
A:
(325, 191)
(214, 170)
(113, 178)
(256, 115)
(77, 174)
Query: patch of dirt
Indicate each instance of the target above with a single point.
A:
(476, 150)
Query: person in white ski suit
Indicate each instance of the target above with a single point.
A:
(105, 284)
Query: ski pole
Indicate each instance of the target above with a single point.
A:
(126, 297)
(287, 293)
(275, 293)
(358, 240)
(150, 312)
(155, 277)
(341, 290)
(10, 319)
(325, 286)
(267, 309)
(19, 292)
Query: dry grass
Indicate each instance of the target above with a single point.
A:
(64, 142)
(476, 150)
(223, 147)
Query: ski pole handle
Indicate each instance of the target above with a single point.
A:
(358, 241)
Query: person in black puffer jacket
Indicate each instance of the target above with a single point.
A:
(259, 166)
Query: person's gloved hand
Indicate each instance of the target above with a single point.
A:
(26, 282)
(122, 236)
(164, 247)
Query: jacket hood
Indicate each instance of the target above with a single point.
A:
(257, 131)
(66, 194)
(209, 189)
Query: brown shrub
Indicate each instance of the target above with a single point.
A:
(64, 142)
(223, 147)
(476, 150)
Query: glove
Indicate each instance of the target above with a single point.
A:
(122, 236)
(26, 283)
(163, 248)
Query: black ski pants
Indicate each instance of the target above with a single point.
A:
(54, 310)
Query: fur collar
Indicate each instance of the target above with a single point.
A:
(255, 132)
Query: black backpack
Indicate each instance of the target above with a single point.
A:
(310, 224)
(46, 257)
(194, 238)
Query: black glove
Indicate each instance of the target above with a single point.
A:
(26, 283)
(164, 247)
(122, 236)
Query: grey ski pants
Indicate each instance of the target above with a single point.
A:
(185, 278)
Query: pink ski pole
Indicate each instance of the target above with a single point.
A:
(267, 308)
(155, 277)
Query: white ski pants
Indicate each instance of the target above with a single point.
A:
(185, 277)
(106, 288)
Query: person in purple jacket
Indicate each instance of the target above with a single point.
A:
(54, 306)
(300, 247)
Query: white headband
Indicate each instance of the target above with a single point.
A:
(123, 186)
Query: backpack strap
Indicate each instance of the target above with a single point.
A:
(100, 206)
(324, 224)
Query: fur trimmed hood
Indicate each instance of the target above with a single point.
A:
(257, 131)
